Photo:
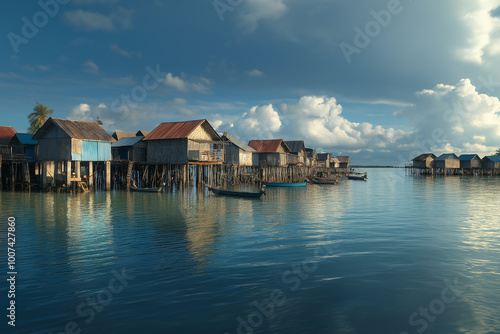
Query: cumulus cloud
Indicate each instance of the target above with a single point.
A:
(118, 19)
(255, 11)
(455, 119)
(255, 73)
(199, 85)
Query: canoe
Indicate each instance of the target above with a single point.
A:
(283, 184)
(320, 181)
(236, 192)
(146, 190)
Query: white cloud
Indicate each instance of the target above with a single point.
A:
(260, 122)
(456, 118)
(255, 11)
(118, 19)
(199, 85)
(91, 67)
(120, 51)
(255, 73)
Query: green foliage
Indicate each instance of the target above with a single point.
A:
(38, 117)
(498, 152)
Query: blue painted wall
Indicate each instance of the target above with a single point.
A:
(93, 151)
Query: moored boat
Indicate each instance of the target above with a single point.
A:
(324, 181)
(284, 184)
(358, 176)
(146, 190)
(236, 193)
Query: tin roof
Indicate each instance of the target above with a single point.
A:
(6, 134)
(127, 141)
(468, 157)
(142, 133)
(179, 130)
(447, 156)
(335, 160)
(120, 134)
(75, 129)
(238, 143)
(268, 146)
(24, 138)
(295, 146)
(425, 156)
(323, 156)
(494, 158)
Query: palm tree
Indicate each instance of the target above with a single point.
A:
(39, 115)
(498, 152)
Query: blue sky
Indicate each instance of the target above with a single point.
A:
(382, 81)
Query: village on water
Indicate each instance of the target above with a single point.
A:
(71, 156)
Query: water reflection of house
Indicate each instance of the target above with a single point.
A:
(425, 160)
(129, 149)
(182, 142)
(271, 152)
(65, 146)
(470, 161)
(447, 160)
(238, 153)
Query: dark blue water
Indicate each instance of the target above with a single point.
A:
(396, 254)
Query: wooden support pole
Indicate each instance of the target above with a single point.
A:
(90, 176)
(107, 180)
(1, 185)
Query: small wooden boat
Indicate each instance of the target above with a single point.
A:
(146, 190)
(324, 181)
(284, 184)
(357, 176)
(236, 193)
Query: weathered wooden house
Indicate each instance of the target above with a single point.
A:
(180, 143)
(65, 146)
(6, 134)
(129, 149)
(447, 160)
(324, 160)
(298, 153)
(117, 135)
(470, 161)
(23, 147)
(425, 160)
(344, 161)
(491, 162)
(238, 153)
(271, 152)
(311, 156)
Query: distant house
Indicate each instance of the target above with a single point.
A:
(334, 162)
(64, 144)
(142, 133)
(6, 134)
(184, 142)
(237, 152)
(344, 161)
(23, 147)
(491, 162)
(298, 152)
(271, 152)
(117, 135)
(129, 149)
(424, 160)
(311, 156)
(470, 161)
(447, 160)
(324, 159)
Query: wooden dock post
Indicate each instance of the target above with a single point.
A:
(107, 178)
(90, 176)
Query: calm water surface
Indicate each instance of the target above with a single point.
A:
(396, 254)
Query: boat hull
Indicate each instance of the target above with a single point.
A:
(357, 178)
(278, 184)
(236, 193)
(145, 190)
(325, 181)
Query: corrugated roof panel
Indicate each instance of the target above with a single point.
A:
(127, 141)
(494, 158)
(239, 143)
(75, 129)
(446, 156)
(6, 134)
(423, 157)
(267, 146)
(26, 138)
(467, 157)
(344, 159)
(295, 146)
(119, 135)
(174, 130)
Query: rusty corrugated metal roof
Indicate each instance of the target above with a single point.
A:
(344, 159)
(6, 134)
(75, 129)
(177, 130)
(120, 134)
(267, 146)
